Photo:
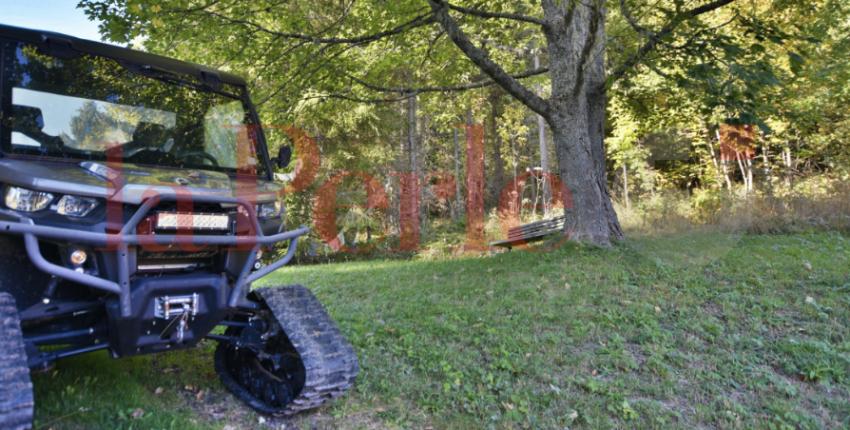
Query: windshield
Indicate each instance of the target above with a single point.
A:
(93, 108)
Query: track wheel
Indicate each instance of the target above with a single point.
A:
(16, 399)
(267, 375)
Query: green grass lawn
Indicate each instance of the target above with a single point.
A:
(689, 331)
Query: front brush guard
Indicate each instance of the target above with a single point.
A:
(127, 237)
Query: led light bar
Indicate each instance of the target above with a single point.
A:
(194, 221)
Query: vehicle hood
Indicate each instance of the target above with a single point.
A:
(130, 183)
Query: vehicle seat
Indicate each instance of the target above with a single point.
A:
(149, 134)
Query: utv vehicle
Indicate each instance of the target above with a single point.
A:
(137, 193)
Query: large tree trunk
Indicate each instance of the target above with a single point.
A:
(585, 206)
(577, 118)
(597, 101)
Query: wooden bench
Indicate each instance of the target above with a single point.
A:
(531, 232)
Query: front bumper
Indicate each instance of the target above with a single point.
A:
(127, 237)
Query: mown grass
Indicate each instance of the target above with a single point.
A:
(687, 331)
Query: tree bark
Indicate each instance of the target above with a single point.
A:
(577, 118)
(597, 101)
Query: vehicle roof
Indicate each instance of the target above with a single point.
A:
(40, 37)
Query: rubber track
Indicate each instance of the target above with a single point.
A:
(16, 397)
(330, 362)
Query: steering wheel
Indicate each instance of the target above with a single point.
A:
(202, 154)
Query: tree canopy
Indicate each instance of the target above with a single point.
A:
(666, 75)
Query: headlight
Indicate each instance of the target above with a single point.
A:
(24, 200)
(75, 206)
(269, 210)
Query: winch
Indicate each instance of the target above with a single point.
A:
(168, 307)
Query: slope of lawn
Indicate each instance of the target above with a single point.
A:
(688, 331)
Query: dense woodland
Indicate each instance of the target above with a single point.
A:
(636, 106)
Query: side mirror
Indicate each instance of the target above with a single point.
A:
(284, 156)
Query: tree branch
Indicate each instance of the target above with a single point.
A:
(498, 15)
(481, 59)
(444, 89)
(340, 96)
(418, 21)
(665, 31)
(627, 14)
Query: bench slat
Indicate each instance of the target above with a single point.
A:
(532, 231)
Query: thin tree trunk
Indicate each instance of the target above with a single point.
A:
(412, 145)
(498, 180)
(544, 153)
(745, 165)
(724, 162)
(401, 166)
(535, 201)
(708, 140)
(410, 202)
(515, 163)
(626, 186)
(458, 206)
(767, 170)
(786, 160)
(749, 163)
(422, 139)
(725, 166)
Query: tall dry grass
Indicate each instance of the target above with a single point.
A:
(815, 204)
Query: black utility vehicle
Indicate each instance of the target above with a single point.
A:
(137, 192)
